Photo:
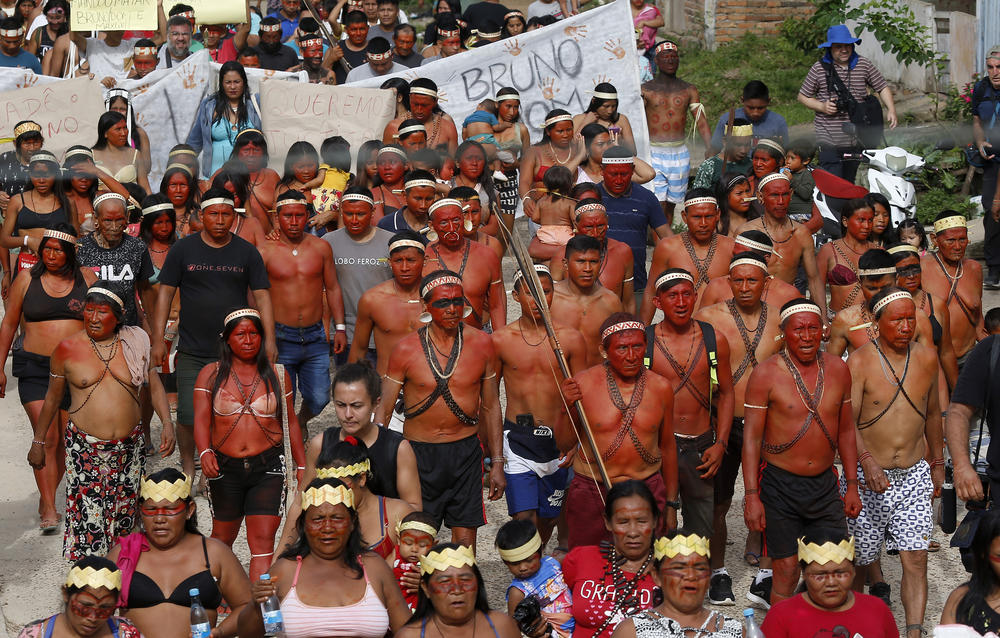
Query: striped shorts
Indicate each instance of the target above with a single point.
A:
(672, 165)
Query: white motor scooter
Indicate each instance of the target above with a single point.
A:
(887, 169)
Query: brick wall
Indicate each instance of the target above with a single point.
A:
(733, 18)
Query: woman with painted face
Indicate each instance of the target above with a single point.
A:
(597, 139)
(114, 155)
(471, 165)
(603, 110)
(82, 183)
(56, 23)
(734, 197)
(180, 188)
(839, 258)
(391, 164)
(558, 146)
(250, 151)
(221, 117)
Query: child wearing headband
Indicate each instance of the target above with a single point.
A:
(521, 549)
(417, 532)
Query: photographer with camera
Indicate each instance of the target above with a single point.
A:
(848, 119)
(985, 112)
(969, 604)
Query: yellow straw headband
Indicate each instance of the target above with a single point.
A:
(891, 297)
(412, 128)
(450, 557)
(107, 293)
(828, 552)
(746, 261)
(441, 203)
(181, 167)
(406, 243)
(250, 130)
(700, 200)
(391, 149)
(903, 248)
(144, 51)
(955, 221)
(156, 208)
(524, 551)
(797, 308)
(755, 245)
(670, 276)
(617, 160)
(420, 90)
(217, 201)
(242, 312)
(683, 545)
(316, 496)
(742, 130)
(876, 272)
(182, 151)
(170, 491)
(357, 197)
(770, 178)
(57, 234)
(622, 325)
(443, 280)
(539, 268)
(416, 526)
(770, 144)
(96, 578)
(27, 127)
(555, 119)
(86, 152)
(344, 471)
(417, 183)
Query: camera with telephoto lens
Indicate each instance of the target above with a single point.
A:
(527, 614)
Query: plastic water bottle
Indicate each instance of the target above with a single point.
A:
(750, 627)
(270, 609)
(200, 627)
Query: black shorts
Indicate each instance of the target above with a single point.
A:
(249, 486)
(451, 481)
(795, 505)
(729, 469)
(32, 372)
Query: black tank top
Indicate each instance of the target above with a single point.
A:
(38, 305)
(383, 459)
(28, 219)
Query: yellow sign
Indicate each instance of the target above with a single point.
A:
(218, 11)
(113, 15)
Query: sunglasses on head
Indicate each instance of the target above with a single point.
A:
(448, 301)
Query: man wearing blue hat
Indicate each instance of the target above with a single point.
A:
(819, 93)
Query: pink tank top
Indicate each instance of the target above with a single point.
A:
(366, 618)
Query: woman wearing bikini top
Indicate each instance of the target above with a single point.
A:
(238, 419)
(113, 155)
(839, 258)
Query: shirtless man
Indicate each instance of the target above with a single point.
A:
(621, 397)
(894, 397)
(391, 310)
(448, 399)
(580, 300)
(616, 257)
(798, 401)
(667, 100)
(536, 453)
(105, 366)
(793, 243)
(957, 280)
(776, 292)
(477, 266)
(472, 216)
(700, 249)
(702, 374)
(441, 132)
(300, 267)
(733, 317)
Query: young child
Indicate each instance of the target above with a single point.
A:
(417, 532)
(332, 178)
(992, 321)
(797, 157)
(482, 124)
(554, 211)
(520, 548)
(912, 232)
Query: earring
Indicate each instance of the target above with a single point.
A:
(467, 225)
(432, 235)
(425, 317)
(467, 311)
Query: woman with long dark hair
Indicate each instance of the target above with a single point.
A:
(82, 182)
(838, 259)
(119, 100)
(603, 110)
(883, 234)
(42, 205)
(555, 148)
(114, 155)
(233, 177)
(222, 116)
(510, 144)
(470, 170)
(180, 187)
(596, 140)
(301, 167)
(328, 584)
(734, 196)
(977, 602)
(367, 167)
(158, 229)
(391, 163)
(240, 407)
(250, 150)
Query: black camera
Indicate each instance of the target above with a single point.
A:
(527, 615)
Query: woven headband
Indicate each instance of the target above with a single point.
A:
(755, 245)
(445, 35)
(169, 491)
(587, 208)
(217, 201)
(555, 119)
(736, 180)
(344, 471)
(617, 160)
(44, 156)
(181, 167)
(443, 280)
(155, 208)
(539, 268)
(828, 552)
(507, 96)
(412, 128)
(242, 312)
(27, 127)
(603, 95)
(12, 33)
(891, 297)
(89, 577)
(117, 92)
(746, 261)
(182, 151)
(417, 183)
(770, 178)
(460, 556)
(876, 272)
(680, 544)
(742, 130)
(797, 308)
(670, 276)
(420, 90)
(955, 221)
(288, 201)
(270, 27)
(379, 57)
(58, 234)
(771, 144)
(483, 34)
(107, 293)
(695, 201)
(357, 197)
(416, 526)
(518, 554)
(903, 248)
(144, 51)
(73, 152)
(622, 325)
(441, 203)
(510, 14)
(310, 42)
(316, 496)
(406, 243)
(248, 130)
(664, 46)
(391, 149)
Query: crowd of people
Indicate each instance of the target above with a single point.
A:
(228, 287)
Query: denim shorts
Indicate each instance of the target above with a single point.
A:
(305, 353)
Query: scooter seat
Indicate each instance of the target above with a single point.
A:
(833, 186)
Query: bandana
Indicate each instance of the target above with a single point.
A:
(622, 325)
(316, 496)
(797, 308)
(460, 556)
(165, 490)
(891, 297)
(670, 276)
(524, 551)
(310, 42)
(357, 197)
(107, 293)
(443, 280)
(955, 221)
(217, 201)
(57, 234)
(828, 552)
(238, 314)
(683, 545)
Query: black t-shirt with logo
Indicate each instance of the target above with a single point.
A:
(353, 58)
(125, 264)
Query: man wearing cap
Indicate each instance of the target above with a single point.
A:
(380, 62)
(733, 158)
(311, 48)
(421, 191)
(11, 52)
(632, 210)
(303, 280)
(630, 413)
(404, 37)
(700, 249)
(985, 112)
(477, 266)
(538, 455)
(818, 93)
(580, 301)
(447, 371)
(702, 383)
(352, 50)
(616, 257)
(215, 271)
(798, 417)
(442, 134)
(359, 257)
(948, 274)
(899, 426)
(273, 54)
(793, 243)
(667, 100)
(776, 292)
(750, 327)
(116, 256)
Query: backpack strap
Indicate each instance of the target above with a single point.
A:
(711, 350)
(650, 343)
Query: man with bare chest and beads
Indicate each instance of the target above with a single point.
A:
(698, 380)
(630, 410)
(798, 416)
(700, 250)
(447, 371)
(667, 100)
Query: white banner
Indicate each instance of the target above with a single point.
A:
(552, 67)
(68, 112)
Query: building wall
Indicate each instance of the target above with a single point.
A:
(733, 18)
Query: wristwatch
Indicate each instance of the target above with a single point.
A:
(674, 504)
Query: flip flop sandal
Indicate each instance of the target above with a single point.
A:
(752, 559)
(933, 546)
(49, 526)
